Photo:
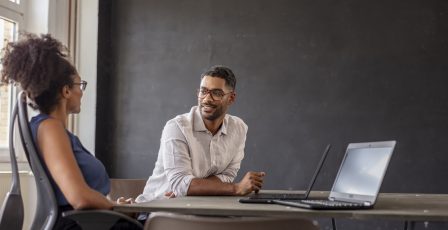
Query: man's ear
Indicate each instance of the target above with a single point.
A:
(232, 98)
(66, 92)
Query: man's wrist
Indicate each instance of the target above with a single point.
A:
(236, 189)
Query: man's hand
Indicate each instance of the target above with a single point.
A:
(170, 195)
(252, 181)
(122, 200)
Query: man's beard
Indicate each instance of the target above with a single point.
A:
(218, 111)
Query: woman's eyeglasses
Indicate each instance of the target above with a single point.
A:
(82, 85)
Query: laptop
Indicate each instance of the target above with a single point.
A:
(358, 180)
(270, 197)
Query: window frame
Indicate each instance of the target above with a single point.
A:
(13, 12)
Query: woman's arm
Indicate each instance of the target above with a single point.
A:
(58, 155)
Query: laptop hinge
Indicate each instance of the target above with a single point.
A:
(366, 203)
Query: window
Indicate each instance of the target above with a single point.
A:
(11, 16)
(7, 31)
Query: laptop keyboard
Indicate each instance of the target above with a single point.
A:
(273, 196)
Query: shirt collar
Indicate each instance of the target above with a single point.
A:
(199, 125)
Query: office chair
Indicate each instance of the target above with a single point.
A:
(11, 212)
(159, 221)
(47, 207)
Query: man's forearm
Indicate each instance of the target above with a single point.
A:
(211, 185)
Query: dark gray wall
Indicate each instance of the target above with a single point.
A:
(310, 72)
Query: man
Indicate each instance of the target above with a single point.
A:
(201, 151)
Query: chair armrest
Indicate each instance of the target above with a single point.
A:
(98, 219)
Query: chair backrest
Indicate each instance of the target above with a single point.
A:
(11, 212)
(46, 208)
(127, 188)
(159, 221)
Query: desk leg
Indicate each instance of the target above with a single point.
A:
(333, 223)
(409, 225)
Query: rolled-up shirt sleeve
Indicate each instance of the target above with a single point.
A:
(177, 161)
(229, 174)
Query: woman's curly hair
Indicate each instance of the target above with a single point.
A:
(40, 65)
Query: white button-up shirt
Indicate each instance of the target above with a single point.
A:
(188, 150)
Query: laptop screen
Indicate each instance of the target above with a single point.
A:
(362, 171)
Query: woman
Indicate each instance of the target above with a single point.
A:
(41, 67)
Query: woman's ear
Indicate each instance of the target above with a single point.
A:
(66, 92)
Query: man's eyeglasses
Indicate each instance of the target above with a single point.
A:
(216, 94)
(82, 85)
